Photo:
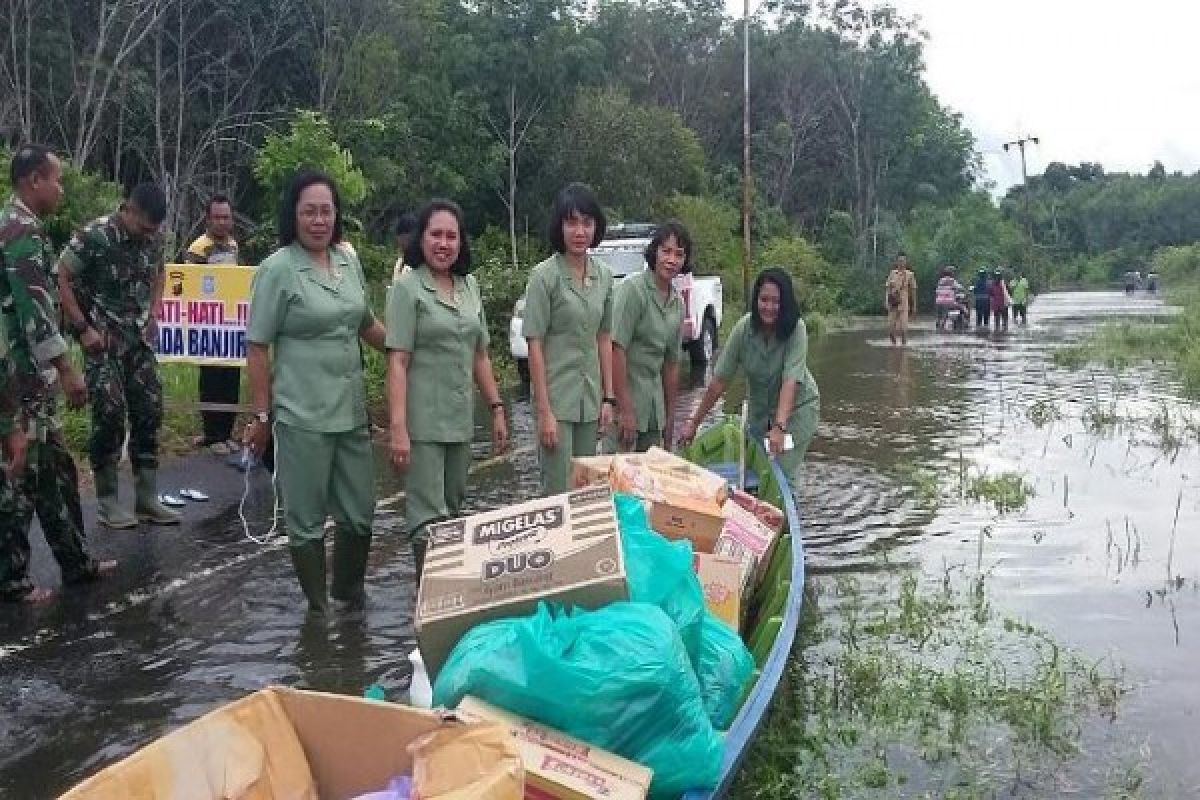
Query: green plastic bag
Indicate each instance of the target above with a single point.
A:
(724, 668)
(617, 677)
(661, 573)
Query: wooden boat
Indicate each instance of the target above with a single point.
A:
(775, 605)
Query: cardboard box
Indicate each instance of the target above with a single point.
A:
(590, 471)
(468, 762)
(659, 475)
(745, 534)
(768, 514)
(560, 767)
(565, 548)
(699, 521)
(725, 582)
(276, 744)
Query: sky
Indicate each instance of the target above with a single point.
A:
(1102, 81)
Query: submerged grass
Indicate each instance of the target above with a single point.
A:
(1119, 345)
(923, 686)
(1007, 491)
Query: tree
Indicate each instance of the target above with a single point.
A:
(308, 145)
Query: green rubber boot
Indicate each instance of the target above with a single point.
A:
(148, 507)
(309, 560)
(350, 552)
(108, 506)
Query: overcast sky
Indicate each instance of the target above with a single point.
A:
(1117, 83)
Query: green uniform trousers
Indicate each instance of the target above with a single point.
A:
(50, 487)
(644, 441)
(435, 488)
(322, 475)
(574, 439)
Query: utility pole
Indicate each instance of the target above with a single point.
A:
(1020, 143)
(746, 189)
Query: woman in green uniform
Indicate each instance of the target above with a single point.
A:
(648, 344)
(308, 311)
(770, 345)
(568, 319)
(437, 343)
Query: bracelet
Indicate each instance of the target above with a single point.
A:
(498, 405)
(612, 401)
(782, 428)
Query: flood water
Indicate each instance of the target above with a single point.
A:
(1092, 558)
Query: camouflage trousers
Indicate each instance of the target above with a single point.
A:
(123, 384)
(50, 487)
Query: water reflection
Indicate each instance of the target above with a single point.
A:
(223, 617)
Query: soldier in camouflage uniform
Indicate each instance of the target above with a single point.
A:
(38, 355)
(111, 281)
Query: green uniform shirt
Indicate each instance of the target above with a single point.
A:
(1020, 292)
(312, 325)
(767, 364)
(114, 275)
(442, 339)
(31, 312)
(648, 329)
(568, 318)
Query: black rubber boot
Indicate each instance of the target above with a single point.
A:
(309, 560)
(350, 553)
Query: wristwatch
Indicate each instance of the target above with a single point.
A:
(262, 416)
(612, 401)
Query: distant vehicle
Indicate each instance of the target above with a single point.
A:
(1152, 282)
(623, 251)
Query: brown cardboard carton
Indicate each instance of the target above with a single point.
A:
(478, 761)
(744, 535)
(725, 582)
(275, 744)
(565, 548)
(560, 767)
(768, 514)
(681, 517)
(658, 475)
(590, 471)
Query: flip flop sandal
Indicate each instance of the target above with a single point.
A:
(193, 494)
(171, 501)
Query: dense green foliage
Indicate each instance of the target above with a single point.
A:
(497, 104)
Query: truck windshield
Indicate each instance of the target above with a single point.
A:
(621, 260)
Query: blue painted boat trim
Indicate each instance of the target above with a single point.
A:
(753, 712)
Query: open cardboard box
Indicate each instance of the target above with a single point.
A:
(275, 744)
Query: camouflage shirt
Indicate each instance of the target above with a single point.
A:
(31, 312)
(9, 406)
(114, 275)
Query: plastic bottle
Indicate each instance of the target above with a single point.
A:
(420, 692)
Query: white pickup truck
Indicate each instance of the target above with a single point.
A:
(624, 255)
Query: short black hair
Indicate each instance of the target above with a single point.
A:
(406, 223)
(215, 200)
(291, 198)
(789, 309)
(414, 256)
(671, 228)
(575, 198)
(28, 160)
(149, 199)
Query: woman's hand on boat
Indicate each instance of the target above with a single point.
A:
(548, 430)
(687, 432)
(400, 446)
(775, 441)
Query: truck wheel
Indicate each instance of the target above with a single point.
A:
(703, 347)
(523, 369)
